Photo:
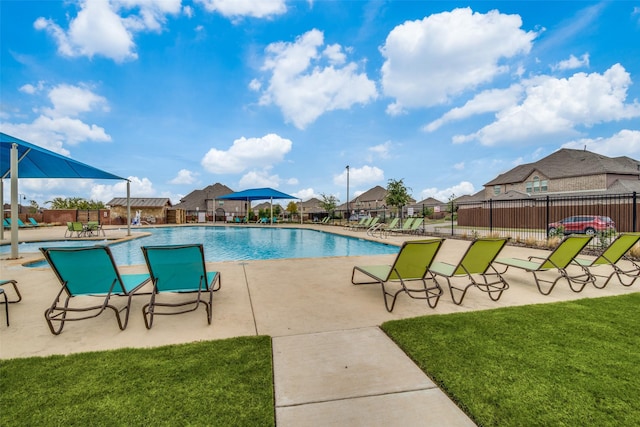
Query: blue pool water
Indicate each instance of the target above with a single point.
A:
(235, 244)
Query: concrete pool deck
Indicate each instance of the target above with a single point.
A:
(332, 363)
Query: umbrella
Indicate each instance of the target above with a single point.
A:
(257, 194)
(36, 162)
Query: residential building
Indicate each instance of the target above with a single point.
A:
(201, 205)
(566, 172)
(151, 209)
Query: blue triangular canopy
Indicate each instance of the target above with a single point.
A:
(37, 162)
(257, 194)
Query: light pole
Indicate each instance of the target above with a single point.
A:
(348, 210)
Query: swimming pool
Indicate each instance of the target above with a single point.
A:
(235, 244)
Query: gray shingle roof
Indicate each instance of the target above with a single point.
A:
(141, 202)
(566, 163)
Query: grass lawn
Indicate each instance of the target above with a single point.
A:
(564, 364)
(224, 382)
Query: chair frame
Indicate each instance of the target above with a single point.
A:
(468, 267)
(60, 312)
(209, 283)
(616, 251)
(560, 259)
(396, 272)
(7, 301)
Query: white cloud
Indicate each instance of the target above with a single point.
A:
(59, 125)
(185, 177)
(366, 175)
(459, 166)
(100, 28)
(259, 179)
(624, 143)
(304, 88)
(139, 187)
(557, 108)
(572, 63)
(247, 153)
(488, 101)
(443, 195)
(306, 194)
(240, 8)
(382, 150)
(429, 61)
(32, 89)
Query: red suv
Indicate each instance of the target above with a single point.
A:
(587, 224)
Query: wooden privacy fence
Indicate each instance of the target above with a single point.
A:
(534, 214)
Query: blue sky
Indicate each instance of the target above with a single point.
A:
(177, 95)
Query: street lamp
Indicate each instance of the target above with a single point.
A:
(348, 210)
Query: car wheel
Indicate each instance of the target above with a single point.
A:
(552, 230)
(590, 231)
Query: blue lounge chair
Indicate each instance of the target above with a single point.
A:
(410, 266)
(179, 269)
(88, 272)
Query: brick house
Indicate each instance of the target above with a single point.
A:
(152, 209)
(566, 172)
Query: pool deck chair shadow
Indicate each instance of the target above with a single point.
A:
(615, 252)
(410, 266)
(179, 269)
(88, 274)
(474, 269)
(559, 260)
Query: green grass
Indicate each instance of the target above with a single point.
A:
(225, 382)
(564, 364)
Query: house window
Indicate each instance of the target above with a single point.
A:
(529, 187)
(543, 185)
(536, 185)
(496, 189)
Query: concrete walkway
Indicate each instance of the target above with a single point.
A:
(332, 363)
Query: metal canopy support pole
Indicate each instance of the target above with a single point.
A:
(128, 208)
(2, 201)
(14, 201)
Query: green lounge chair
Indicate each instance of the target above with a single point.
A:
(179, 269)
(384, 228)
(363, 226)
(411, 265)
(404, 227)
(371, 224)
(476, 263)
(351, 226)
(560, 259)
(413, 229)
(88, 272)
(610, 257)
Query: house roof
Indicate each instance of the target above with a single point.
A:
(141, 202)
(566, 163)
(376, 193)
(430, 201)
(198, 198)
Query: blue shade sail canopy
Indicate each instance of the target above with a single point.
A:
(37, 162)
(256, 194)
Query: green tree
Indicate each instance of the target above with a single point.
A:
(74, 203)
(292, 208)
(329, 203)
(397, 194)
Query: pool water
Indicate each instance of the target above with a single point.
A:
(235, 244)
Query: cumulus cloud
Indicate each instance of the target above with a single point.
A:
(139, 187)
(60, 123)
(430, 60)
(185, 177)
(572, 63)
(259, 179)
(241, 8)
(443, 195)
(553, 107)
(107, 28)
(624, 143)
(489, 101)
(247, 153)
(306, 194)
(305, 81)
(365, 175)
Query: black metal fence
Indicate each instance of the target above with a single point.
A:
(530, 217)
